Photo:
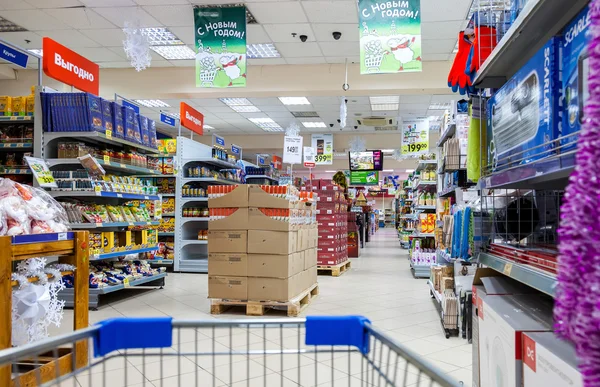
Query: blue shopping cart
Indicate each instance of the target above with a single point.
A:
(316, 351)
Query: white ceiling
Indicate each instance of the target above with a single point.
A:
(95, 29)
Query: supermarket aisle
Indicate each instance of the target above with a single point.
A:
(379, 286)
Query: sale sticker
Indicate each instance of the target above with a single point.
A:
(41, 172)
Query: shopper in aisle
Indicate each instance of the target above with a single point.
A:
(361, 229)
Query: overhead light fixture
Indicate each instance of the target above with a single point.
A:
(36, 51)
(388, 170)
(8, 26)
(314, 124)
(294, 100)
(440, 106)
(330, 171)
(388, 106)
(160, 36)
(260, 51)
(152, 103)
(384, 99)
(208, 127)
(305, 114)
(266, 124)
(245, 109)
(410, 170)
(179, 52)
(387, 150)
(235, 101)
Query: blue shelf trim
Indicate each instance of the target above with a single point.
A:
(38, 238)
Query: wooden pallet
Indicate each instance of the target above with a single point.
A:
(293, 307)
(336, 270)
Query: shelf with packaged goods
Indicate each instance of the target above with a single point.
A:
(262, 177)
(14, 146)
(424, 208)
(108, 165)
(447, 134)
(447, 192)
(424, 235)
(166, 234)
(86, 226)
(425, 183)
(538, 21)
(210, 180)
(216, 163)
(537, 279)
(14, 171)
(115, 254)
(168, 215)
(424, 164)
(96, 137)
(160, 262)
(193, 219)
(119, 195)
(16, 118)
(193, 199)
(436, 295)
(164, 195)
(194, 242)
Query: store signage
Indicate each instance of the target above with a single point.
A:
(364, 177)
(276, 162)
(323, 144)
(236, 150)
(292, 149)
(135, 107)
(260, 160)
(218, 140)
(390, 36)
(415, 137)
(191, 118)
(309, 157)
(69, 67)
(41, 172)
(13, 56)
(220, 36)
(167, 119)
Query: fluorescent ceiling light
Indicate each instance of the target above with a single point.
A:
(384, 99)
(179, 52)
(410, 170)
(152, 103)
(330, 171)
(208, 127)
(314, 124)
(160, 36)
(257, 51)
(294, 100)
(37, 51)
(388, 170)
(266, 124)
(387, 150)
(235, 101)
(439, 106)
(381, 107)
(245, 109)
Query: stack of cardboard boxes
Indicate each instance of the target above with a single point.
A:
(331, 218)
(262, 243)
(353, 235)
(442, 278)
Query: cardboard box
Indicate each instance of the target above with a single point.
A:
(272, 242)
(124, 238)
(549, 361)
(239, 220)
(236, 198)
(275, 266)
(231, 288)
(259, 221)
(502, 322)
(274, 289)
(228, 241)
(310, 258)
(229, 264)
(259, 198)
(446, 283)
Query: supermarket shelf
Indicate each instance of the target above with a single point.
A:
(262, 177)
(116, 254)
(424, 208)
(448, 133)
(538, 21)
(95, 137)
(85, 226)
(408, 229)
(420, 271)
(167, 195)
(194, 242)
(12, 146)
(424, 164)
(166, 234)
(163, 155)
(411, 216)
(194, 265)
(424, 235)
(447, 192)
(193, 219)
(160, 261)
(15, 118)
(157, 175)
(215, 162)
(426, 184)
(437, 296)
(111, 165)
(208, 180)
(120, 195)
(193, 199)
(537, 279)
(171, 215)
(38, 238)
(15, 171)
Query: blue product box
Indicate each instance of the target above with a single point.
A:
(107, 115)
(118, 123)
(575, 75)
(94, 109)
(152, 133)
(144, 130)
(129, 119)
(525, 115)
(137, 134)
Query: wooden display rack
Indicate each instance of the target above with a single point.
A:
(293, 307)
(72, 248)
(334, 270)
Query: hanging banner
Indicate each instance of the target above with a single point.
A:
(364, 177)
(292, 150)
(191, 118)
(220, 47)
(69, 67)
(390, 36)
(415, 137)
(309, 157)
(323, 143)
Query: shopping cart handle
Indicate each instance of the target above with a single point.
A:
(132, 333)
(338, 330)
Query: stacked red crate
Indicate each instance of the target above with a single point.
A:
(331, 220)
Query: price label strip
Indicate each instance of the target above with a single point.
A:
(41, 172)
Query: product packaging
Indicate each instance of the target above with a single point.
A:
(549, 361)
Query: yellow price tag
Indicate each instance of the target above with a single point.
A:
(13, 118)
(98, 188)
(507, 269)
(107, 159)
(324, 158)
(416, 147)
(159, 262)
(126, 282)
(109, 134)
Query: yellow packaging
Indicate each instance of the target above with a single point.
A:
(30, 104)
(125, 239)
(108, 242)
(152, 237)
(5, 105)
(19, 105)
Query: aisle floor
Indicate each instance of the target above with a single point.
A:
(379, 286)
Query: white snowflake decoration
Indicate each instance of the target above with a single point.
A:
(343, 113)
(357, 144)
(293, 130)
(136, 46)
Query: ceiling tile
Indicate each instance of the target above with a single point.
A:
(100, 54)
(255, 33)
(307, 60)
(118, 16)
(323, 32)
(414, 99)
(33, 20)
(282, 12)
(173, 15)
(331, 11)
(283, 32)
(324, 100)
(207, 102)
(340, 48)
(342, 59)
(48, 3)
(160, 2)
(277, 115)
(11, 4)
(438, 46)
(299, 50)
(407, 107)
(266, 62)
(80, 18)
(185, 34)
(19, 38)
(445, 10)
(441, 30)
(106, 37)
(120, 64)
(219, 109)
(444, 98)
(184, 63)
(108, 3)
(273, 101)
(70, 38)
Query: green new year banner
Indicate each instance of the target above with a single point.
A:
(364, 178)
(390, 36)
(220, 47)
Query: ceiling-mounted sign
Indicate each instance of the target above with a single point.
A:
(69, 67)
(415, 137)
(260, 160)
(135, 107)
(13, 56)
(220, 46)
(236, 150)
(364, 177)
(167, 119)
(218, 140)
(191, 118)
(292, 149)
(323, 144)
(390, 36)
(309, 157)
